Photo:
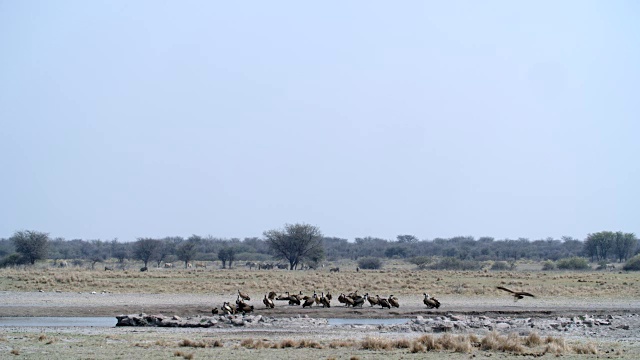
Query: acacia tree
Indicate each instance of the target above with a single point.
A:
(295, 242)
(145, 248)
(32, 245)
(187, 251)
(624, 244)
(227, 254)
(599, 244)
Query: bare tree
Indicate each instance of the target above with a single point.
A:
(295, 242)
(187, 251)
(145, 248)
(32, 245)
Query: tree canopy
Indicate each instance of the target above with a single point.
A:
(296, 242)
(32, 245)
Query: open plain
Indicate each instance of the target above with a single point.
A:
(574, 314)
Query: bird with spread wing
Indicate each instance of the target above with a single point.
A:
(517, 295)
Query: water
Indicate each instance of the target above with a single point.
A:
(338, 321)
(59, 321)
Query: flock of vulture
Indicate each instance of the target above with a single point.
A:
(349, 300)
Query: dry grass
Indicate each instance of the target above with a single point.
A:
(158, 280)
(588, 348)
(200, 344)
(187, 356)
(375, 343)
(341, 344)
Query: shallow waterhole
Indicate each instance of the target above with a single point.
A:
(339, 321)
(109, 321)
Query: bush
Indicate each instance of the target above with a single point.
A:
(450, 263)
(633, 264)
(369, 263)
(548, 265)
(573, 263)
(501, 265)
(12, 260)
(420, 261)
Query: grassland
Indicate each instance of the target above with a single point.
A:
(46, 290)
(398, 279)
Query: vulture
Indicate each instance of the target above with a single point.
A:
(228, 308)
(372, 300)
(393, 301)
(359, 301)
(268, 302)
(293, 299)
(329, 296)
(430, 302)
(326, 302)
(517, 295)
(310, 300)
(214, 310)
(272, 295)
(243, 296)
(383, 302)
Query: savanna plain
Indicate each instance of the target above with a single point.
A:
(574, 314)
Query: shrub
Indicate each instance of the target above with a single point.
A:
(573, 263)
(548, 265)
(369, 263)
(500, 265)
(633, 264)
(450, 263)
(12, 260)
(420, 261)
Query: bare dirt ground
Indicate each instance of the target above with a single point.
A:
(87, 304)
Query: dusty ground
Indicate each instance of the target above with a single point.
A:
(87, 304)
(150, 343)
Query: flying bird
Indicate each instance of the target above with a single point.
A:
(517, 295)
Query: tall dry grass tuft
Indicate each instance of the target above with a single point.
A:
(588, 348)
(533, 340)
(428, 342)
(340, 344)
(555, 345)
(417, 347)
(510, 343)
(401, 344)
(191, 343)
(309, 344)
(371, 343)
(456, 343)
(288, 343)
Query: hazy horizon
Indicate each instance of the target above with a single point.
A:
(127, 119)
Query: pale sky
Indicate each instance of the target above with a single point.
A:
(126, 119)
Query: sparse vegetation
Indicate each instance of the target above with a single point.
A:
(451, 263)
(633, 264)
(370, 263)
(573, 263)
